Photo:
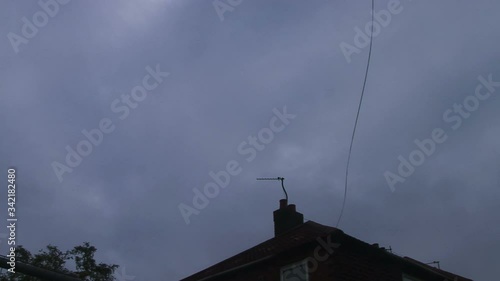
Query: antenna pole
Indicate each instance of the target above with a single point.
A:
(435, 262)
(279, 179)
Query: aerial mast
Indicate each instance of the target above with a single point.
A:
(276, 179)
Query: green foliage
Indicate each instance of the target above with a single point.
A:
(86, 266)
(55, 260)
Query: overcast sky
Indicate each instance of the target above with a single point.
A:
(229, 72)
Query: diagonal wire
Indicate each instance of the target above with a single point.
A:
(357, 116)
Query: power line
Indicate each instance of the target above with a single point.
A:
(357, 114)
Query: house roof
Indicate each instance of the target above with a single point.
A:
(304, 233)
(446, 274)
(298, 236)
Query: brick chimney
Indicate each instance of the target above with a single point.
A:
(286, 218)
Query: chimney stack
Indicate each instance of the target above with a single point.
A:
(286, 218)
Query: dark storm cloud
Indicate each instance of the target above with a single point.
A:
(225, 79)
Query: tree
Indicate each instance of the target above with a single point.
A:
(86, 266)
(55, 260)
